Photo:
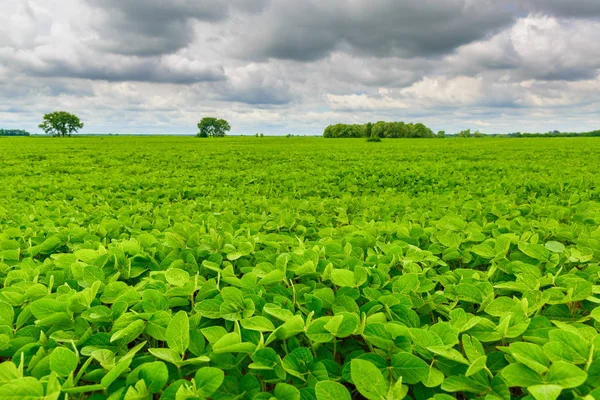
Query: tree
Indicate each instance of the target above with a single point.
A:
(465, 134)
(60, 123)
(369, 129)
(421, 131)
(213, 127)
(378, 129)
(441, 134)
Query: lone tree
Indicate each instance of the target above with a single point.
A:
(60, 123)
(213, 127)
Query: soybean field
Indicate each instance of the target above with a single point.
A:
(299, 268)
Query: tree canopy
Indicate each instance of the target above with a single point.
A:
(213, 127)
(380, 129)
(60, 123)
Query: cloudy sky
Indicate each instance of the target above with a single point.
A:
(295, 66)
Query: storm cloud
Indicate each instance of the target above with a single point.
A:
(155, 27)
(309, 30)
(562, 8)
(281, 67)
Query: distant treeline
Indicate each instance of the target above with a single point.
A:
(380, 129)
(557, 134)
(477, 134)
(13, 132)
(403, 130)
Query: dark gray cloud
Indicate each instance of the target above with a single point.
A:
(565, 8)
(155, 27)
(312, 29)
(165, 69)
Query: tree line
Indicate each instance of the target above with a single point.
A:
(380, 129)
(62, 123)
(13, 132)
(556, 134)
(477, 134)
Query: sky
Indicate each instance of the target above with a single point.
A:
(295, 66)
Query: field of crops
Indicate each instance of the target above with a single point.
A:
(299, 268)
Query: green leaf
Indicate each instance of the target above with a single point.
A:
(456, 383)
(545, 392)
(114, 373)
(178, 333)
(7, 313)
(283, 391)
(342, 325)
(566, 346)
(25, 388)
(450, 354)
(265, 359)
(86, 255)
(260, 324)
(477, 366)
(483, 250)
(177, 277)
(153, 301)
(167, 355)
(63, 361)
(500, 306)
(232, 343)
(327, 390)
(233, 297)
(565, 375)
(208, 380)
(155, 374)
(138, 392)
(272, 278)
(410, 368)
(368, 380)
(8, 372)
(535, 251)
(130, 332)
(343, 278)
(44, 308)
(555, 247)
(472, 348)
(170, 392)
(406, 283)
(520, 375)
(530, 354)
(434, 378)
(296, 363)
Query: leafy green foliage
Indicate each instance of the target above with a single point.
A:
(60, 123)
(380, 129)
(213, 127)
(187, 269)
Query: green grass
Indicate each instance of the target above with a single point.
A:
(134, 267)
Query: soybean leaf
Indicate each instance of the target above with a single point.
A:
(178, 333)
(368, 380)
(327, 390)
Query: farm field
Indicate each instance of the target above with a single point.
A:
(299, 268)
